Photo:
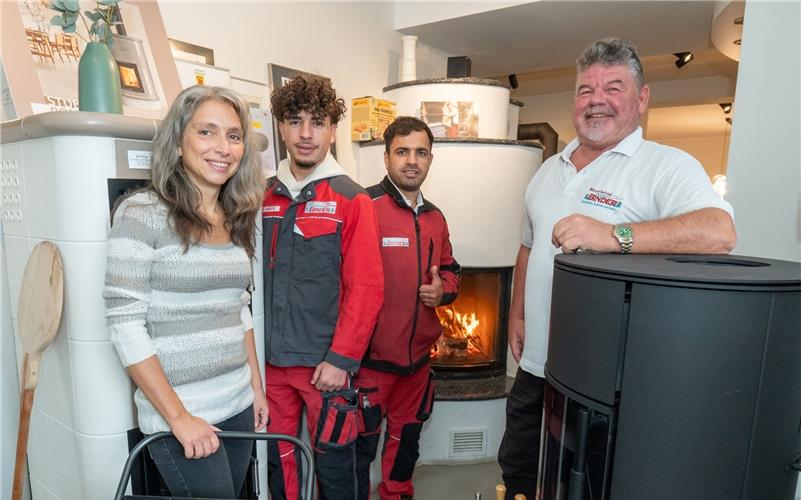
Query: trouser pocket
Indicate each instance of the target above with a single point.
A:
(427, 403)
(371, 412)
(339, 420)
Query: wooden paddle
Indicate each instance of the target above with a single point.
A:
(41, 299)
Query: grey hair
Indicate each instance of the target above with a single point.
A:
(610, 51)
(240, 197)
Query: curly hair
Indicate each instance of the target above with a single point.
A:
(310, 93)
(241, 195)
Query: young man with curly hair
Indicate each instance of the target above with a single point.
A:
(323, 288)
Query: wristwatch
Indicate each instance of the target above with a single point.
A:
(625, 236)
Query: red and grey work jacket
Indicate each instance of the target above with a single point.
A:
(410, 244)
(323, 281)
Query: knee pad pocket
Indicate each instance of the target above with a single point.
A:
(408, 452)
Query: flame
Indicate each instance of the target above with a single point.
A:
(459, 337)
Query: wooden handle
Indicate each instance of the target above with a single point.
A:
(500, 492)
(25, 406)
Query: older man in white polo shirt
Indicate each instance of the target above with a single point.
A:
(608, 191)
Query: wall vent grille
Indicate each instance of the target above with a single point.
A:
(468, 443)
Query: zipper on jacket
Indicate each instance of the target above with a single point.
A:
(273, 244)
(430, 253)
(419, 283)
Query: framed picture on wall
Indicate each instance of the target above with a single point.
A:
(191, 52)
(257, 94)
(41, 61)
(194, 73)
(279, 76)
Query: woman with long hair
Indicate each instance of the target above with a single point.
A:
(178, 268)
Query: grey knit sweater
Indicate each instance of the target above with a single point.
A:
(189, 309)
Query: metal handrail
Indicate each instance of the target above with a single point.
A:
(256, 436)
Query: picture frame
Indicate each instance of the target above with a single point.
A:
(191, 52)
(39, 81)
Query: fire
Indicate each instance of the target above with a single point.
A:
(459, 334)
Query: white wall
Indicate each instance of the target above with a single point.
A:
(353, 43)
(556, 109)
(764, 172)
(710, 151)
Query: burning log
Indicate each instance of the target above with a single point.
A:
(459, 339)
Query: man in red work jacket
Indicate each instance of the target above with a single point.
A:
(420, 274)
(323, 288)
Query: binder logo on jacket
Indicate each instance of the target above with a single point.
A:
(603, 199)
(395, 242)
(321, 207)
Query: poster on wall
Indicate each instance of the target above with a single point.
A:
(32, 46)
(262, 122)
(280, 76)
(257, 96)
(193, 73)
(450, 119)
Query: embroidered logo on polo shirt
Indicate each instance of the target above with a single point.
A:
(603, 199)
(395, 242)
(321, 207)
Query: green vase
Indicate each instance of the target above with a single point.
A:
(98, 80)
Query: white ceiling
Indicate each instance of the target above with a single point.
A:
(550, 34)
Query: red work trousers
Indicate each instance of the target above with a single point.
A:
(288, 390)
(406, 402)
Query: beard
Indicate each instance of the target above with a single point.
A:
(407, 184)
(595, 133)
(305, 164)
(596, 130)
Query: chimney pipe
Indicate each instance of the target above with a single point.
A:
(542, 132)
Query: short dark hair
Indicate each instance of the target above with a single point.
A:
(310, 93)
(610, 51)
(405, 125)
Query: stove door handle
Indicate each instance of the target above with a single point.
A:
(578, 472)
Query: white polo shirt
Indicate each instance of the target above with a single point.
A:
(636, 181)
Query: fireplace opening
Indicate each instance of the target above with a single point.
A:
(474, 337)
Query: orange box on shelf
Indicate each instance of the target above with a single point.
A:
(369, 117)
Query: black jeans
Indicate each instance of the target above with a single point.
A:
(519, 452)
(220, 475)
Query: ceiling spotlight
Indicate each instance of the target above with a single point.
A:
(725, 106)
(513, 81)
(683, 58)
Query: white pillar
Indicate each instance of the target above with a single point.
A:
(408, 61)
(764, 171)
